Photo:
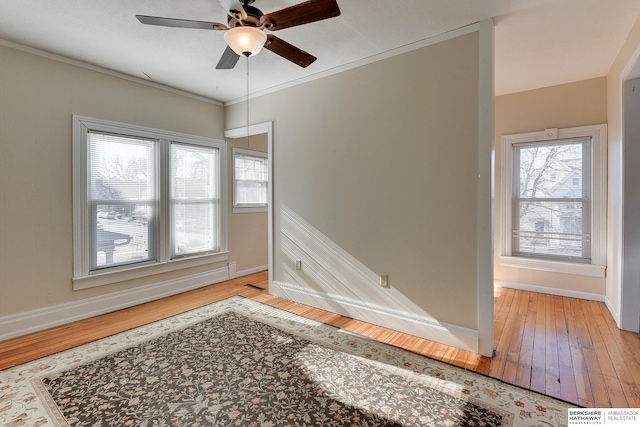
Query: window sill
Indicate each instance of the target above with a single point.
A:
(115, 276)
(249, 209)
(590, 270)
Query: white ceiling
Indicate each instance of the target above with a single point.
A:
(538, 42)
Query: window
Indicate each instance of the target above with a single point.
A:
(122, 199)
(194, 200)
(146, 201)
(554, 195)
(250, 180)
(549, 179)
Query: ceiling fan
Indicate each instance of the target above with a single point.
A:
(246, 24)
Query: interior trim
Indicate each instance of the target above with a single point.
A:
(551, 291)
(410, 323)
(112, 73)
(374, 58)
(37, 320)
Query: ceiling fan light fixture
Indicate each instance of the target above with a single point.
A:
(246, 41)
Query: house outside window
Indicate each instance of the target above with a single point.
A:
(146, 201)
(250, 181)
(554, 198)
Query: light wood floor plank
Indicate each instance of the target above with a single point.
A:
(539, 339)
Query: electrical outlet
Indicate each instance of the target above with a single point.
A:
(298, 264)
(384, 281)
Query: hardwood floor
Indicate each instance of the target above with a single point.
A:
(562, 347)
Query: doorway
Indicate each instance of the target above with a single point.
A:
(253, 248)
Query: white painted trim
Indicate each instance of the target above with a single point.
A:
(243, 210)
(485, 202)
(232, 269)
(579, 269)
(598, 133)
(410, 323)
(112, 73)
(256, 129)
(551, 291)
(614, 313)
(37, 320)
(630, 289)
(629, 307)
(260, 128)
(253, 270)
(137, 272)
(362, 62)
(82, 276)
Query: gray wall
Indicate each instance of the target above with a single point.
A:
(376, 171)
(38, 97)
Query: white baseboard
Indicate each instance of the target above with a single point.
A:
(551, 291)
(232, 269)
(44, 318)
(614, 313)
(410, 323)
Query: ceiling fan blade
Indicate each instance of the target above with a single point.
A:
(233, 8)
(289, 51)
(180, 23)
(228, 60)
(303, 13)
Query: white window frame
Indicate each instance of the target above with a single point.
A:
(597, 267)
(83, 278)
(253, 207)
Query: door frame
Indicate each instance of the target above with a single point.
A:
(257, 129)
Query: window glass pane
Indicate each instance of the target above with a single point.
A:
(192, 172)
(122, 168)
(251, 168)
(552, 201)
(121, 234)
(194, 228)
(551, 229)
(121, 199)
(550, 171)
(251, 175)
(195, 219)
(251, 193)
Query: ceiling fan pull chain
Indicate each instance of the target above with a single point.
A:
(247, 56)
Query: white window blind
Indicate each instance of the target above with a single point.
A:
(251, 176)
(122, 199)
(195, 225)
(146, 201)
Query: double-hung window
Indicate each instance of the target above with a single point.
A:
(195, 203)
(146, 201)
(554, 195)
(250, 180)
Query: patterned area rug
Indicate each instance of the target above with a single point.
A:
(238, 362)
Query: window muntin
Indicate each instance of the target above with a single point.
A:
(250, 179)
(552, 199)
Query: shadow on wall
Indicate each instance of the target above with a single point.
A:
(334, 280)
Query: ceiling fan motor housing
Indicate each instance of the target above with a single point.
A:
(245, 32)
(253, 17)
